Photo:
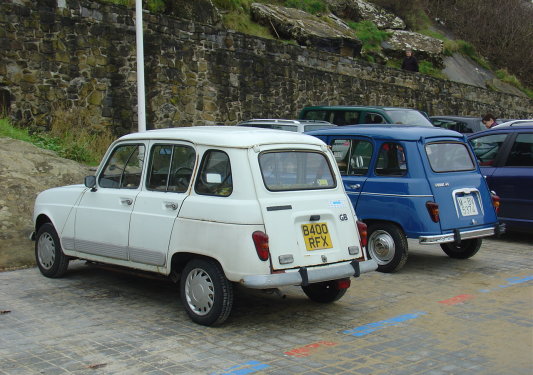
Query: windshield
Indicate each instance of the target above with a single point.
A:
(408, 116)
(296, 170)
(449, 157)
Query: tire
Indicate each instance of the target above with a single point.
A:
(324, 292)
(387, 245)
(48, 253)
(465, 250)
(206, 293)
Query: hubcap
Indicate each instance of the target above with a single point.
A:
(381, 247)
(199, 291)
(46, 251)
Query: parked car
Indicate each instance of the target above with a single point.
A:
(505, 154)
(461, 124)
(524, 122)
(210, 206)
(299, 126)
(351, 115)
(413, 182)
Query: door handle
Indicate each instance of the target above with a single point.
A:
(171, 206)
(354, 186)
(126, 201)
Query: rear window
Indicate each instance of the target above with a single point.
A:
(449, 157)
(296, 170)
(408, 116)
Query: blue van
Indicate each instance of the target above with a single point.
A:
(413, 182)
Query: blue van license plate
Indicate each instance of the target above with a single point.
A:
(467, 205)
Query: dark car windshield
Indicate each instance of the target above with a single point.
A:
(408, 116)
(449, 157)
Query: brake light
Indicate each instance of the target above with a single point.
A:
(363, 233)
(433, 209)
(261, 245)
(496, 202)
(343, 283)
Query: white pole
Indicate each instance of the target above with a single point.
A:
(141, 109)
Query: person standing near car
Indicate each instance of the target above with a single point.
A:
(410, 62)
(489, 120)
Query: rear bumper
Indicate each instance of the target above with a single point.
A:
(305, 276)
(458, 236)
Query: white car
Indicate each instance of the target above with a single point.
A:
(210, 206)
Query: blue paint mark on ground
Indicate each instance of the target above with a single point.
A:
(246, 368)
(371, 327)
(517, 280)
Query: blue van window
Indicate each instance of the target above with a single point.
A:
(352, 155)
(449, 157)
(391, 160)
(522, 152)
(487, 148)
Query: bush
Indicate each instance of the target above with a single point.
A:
(369, 34)
(309, 6)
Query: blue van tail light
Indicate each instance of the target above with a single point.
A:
(363, 233)
(433, 209)
(261, 245)
(496, 202)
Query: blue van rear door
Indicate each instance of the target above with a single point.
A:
(458, 188)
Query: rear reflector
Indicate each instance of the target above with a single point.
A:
(496, 202)
(343, 283)
(363, 233)
(433, 210)
(261, 245)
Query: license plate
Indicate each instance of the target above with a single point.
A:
(316, 236)
(467, 205)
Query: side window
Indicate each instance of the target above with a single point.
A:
(353, 156)
(316, 115)
(214, 177)
(487, 148)
(171, 168)
(124, 167)
(391, 160)
(345, 117)
(374, 118)
(521, 154)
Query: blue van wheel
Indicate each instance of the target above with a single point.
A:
(465, 249)
(387, 245)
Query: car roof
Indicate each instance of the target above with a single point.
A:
(390, 131)
(361, 107)
(456, 117)
(225, 136)
(502, 128)
(521, 123)
(283, 122)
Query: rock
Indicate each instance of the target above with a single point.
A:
(26, 171)
(360, 10)
(325, 32)
(424, 47)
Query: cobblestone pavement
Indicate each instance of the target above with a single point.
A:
(437, 316)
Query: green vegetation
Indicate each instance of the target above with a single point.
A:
(371, 37)
(426, 67)
(504, 76)
(81, 145)
(309, 6)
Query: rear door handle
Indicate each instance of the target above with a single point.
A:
(126, 201)
(355, 186)
(171, 206)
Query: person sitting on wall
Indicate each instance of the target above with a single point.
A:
(489, 120)
(410, 62)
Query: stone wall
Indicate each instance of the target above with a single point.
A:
(80, 55)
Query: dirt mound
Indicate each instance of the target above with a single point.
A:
(25, 171)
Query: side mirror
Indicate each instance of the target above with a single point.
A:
(90, 182)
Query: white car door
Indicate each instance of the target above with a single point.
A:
(103, 214)
(169, 174)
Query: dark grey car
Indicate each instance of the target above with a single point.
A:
(461, 124)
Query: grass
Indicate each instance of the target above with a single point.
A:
(67, 137)
(371, 37)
